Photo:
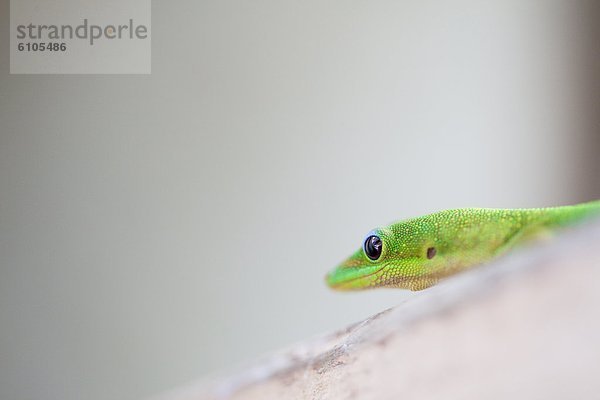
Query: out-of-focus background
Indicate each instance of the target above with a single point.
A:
(157, 228)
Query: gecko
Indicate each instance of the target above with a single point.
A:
(417, 253)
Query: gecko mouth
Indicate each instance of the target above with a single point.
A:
(352, 278)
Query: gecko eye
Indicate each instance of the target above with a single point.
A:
(431, 253)
(373, 246)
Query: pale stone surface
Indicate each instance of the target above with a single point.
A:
(526, 326)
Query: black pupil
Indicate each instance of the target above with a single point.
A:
(373, 246)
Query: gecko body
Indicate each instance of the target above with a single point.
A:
(417, 253)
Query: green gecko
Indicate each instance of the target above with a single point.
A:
(415, 254)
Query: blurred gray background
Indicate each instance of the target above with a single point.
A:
(154, 229)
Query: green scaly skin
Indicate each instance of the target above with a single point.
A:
(462, 238)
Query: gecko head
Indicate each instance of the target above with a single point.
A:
(400, 256)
